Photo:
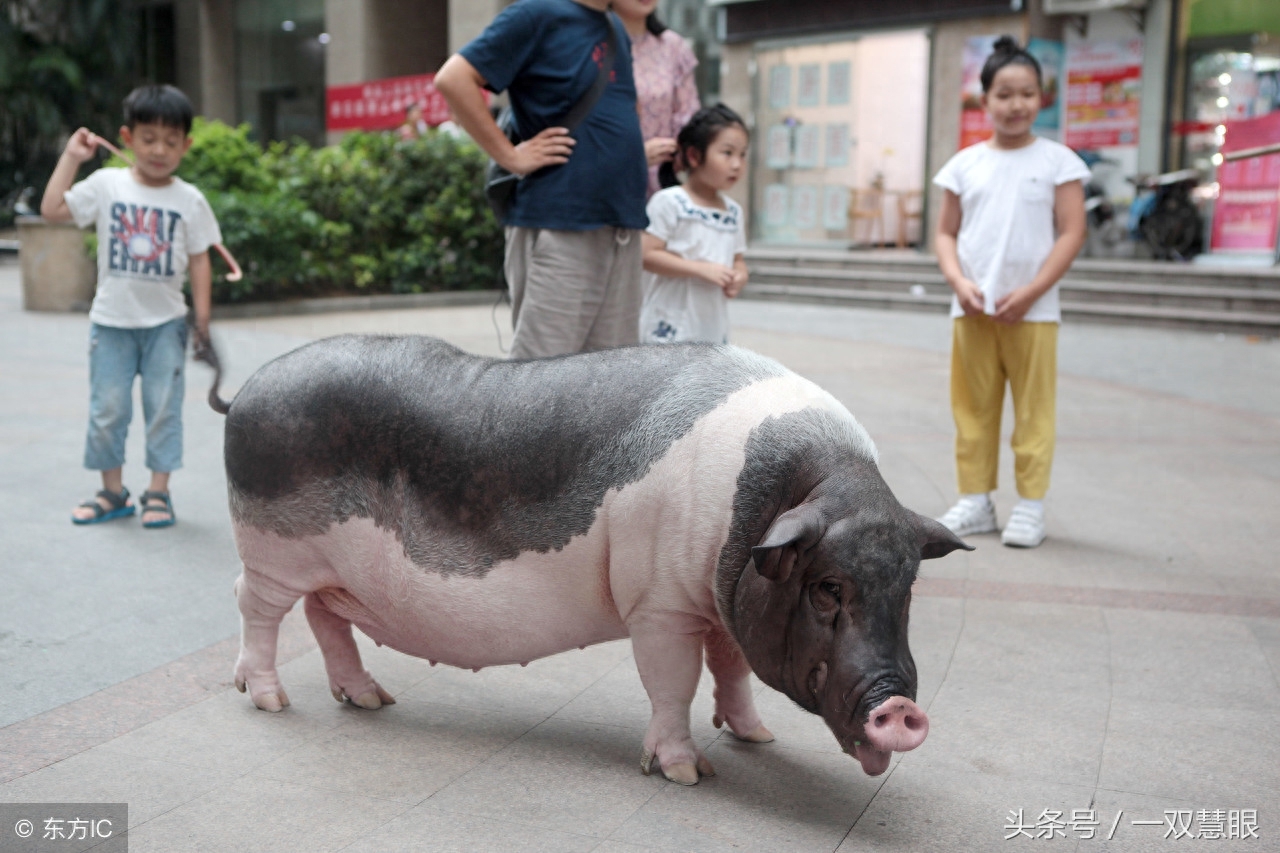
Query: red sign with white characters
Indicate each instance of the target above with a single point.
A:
(380, 104)
(1247, 212)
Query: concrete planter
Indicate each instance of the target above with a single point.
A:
(57, 275)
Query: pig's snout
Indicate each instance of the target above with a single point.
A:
(897, 725)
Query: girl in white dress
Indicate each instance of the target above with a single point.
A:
(694, 245)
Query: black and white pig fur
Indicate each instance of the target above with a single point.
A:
(702, 500)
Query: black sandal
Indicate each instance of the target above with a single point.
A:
(148, 497)
(120, 507)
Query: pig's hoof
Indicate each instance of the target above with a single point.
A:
(272, 702)
(370, 700)
(757, 735)
(681, 774)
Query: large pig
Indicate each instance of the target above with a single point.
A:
(702, 500)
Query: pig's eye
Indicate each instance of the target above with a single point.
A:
(831, 589)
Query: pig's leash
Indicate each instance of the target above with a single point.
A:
(203, 346)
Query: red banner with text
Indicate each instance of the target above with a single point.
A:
(381, 104)
(1247, 212)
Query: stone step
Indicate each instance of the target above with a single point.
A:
(1084, 269)
(1209, 320)
(1223, 298)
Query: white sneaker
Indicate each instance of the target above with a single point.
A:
(971, 516)
(1025, 528)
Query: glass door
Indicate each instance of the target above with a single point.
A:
(839, 143)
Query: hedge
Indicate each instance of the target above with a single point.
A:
(374, 214)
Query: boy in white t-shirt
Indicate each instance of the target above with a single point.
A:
(1012, 221)
(694, 245)
(153, 228)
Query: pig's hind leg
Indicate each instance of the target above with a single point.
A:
(348, 679)
(263, 603)
(734, 703)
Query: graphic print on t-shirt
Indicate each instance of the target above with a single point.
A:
(141, 241)
(598, 54)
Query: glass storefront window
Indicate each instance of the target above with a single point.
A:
(280, 47)
(1226, 84)
(696, 21)
(839, 141)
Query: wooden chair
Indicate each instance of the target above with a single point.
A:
(910, 206)
(866, 204)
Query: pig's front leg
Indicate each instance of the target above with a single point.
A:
(670, 661)
(734, 703)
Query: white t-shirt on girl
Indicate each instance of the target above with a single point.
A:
(1006, 226)
(690, 309)
(146, 236)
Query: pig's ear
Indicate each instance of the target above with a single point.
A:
(788, 538)
(935, 539)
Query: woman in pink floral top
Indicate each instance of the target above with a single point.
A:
(666, 94)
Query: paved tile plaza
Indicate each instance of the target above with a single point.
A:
(1122, 680)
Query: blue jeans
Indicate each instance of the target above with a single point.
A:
(116, 356)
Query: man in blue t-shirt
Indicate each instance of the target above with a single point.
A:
(573, 258)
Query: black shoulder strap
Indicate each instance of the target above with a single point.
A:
(587, 102)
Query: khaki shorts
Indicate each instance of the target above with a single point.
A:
(573, 291)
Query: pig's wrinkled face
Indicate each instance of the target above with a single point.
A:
(821, 613)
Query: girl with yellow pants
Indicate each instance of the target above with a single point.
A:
(1012, 222)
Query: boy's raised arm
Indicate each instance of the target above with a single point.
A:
(80, 148)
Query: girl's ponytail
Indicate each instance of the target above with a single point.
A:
(667, 175)
(1006, 45)
(1007, 51)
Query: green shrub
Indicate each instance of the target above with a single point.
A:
(223, 159)
(374, 214)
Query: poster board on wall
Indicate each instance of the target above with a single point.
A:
(975, 124)
(1051, 56)
(1104, 93)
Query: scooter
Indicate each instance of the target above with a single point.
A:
(1104, 231)
(1165, 216)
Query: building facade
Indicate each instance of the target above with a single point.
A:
(882, 92)
(268, 62)
(852, 104)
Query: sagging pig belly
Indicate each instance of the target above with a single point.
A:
(522, 609)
